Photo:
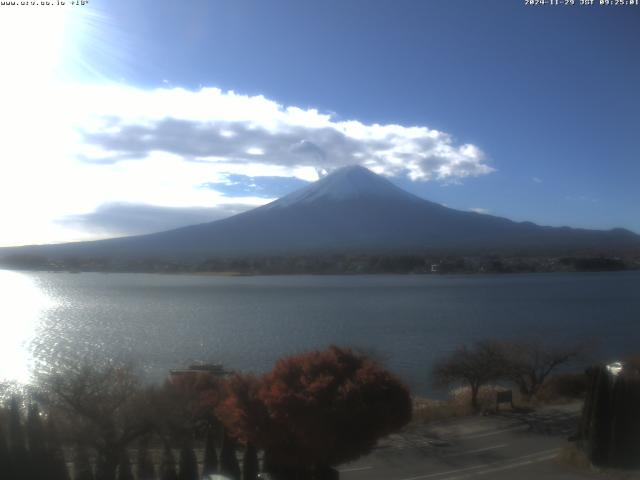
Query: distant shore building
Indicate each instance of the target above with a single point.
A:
(435, 267)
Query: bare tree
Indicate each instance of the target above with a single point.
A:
(528, 363)
(475, 366)
(102, 406)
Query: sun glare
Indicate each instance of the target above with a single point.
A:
(41, 52)
(31, 40)
(41, 45)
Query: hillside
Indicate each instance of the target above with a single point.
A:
(351, 210)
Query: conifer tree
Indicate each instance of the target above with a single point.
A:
(210, 462)
(56, 463)
(16, 433)
(168, 465)
(188, 463)
(103, 468)
(37, 442)
(250, 463)
(145, 470)
(124, 467)
(5, 459)
(228, 461)
(81, 464)
(20, 464)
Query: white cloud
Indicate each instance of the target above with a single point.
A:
(214, 126)
(536, 180)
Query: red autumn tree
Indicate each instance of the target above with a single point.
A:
(317, 409)
(243, 413)
(199, 389)
(183, 405)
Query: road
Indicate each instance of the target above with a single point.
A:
(499, 446)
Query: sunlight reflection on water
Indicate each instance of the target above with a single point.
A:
(159, 322)
(22, 307)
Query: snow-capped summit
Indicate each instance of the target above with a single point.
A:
(353, 181)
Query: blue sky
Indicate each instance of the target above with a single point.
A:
(527, 112)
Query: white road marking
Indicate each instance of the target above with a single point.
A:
(492, 432)
(543, 456)
(469, 452)
(505, 467)
(354, 469)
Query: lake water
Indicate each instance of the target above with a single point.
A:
(167, 321)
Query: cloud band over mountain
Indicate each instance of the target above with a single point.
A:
(210, 125)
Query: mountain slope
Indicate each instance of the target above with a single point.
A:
(351, 210)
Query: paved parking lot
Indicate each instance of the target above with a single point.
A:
(501, 446)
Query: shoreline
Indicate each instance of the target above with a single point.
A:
(315, 274)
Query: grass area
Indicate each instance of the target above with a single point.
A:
(457, 405)
(427, 411)
(558, 390)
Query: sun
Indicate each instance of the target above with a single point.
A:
(31, 43)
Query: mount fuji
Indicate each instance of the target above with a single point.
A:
(351, 210)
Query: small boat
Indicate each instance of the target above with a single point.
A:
(216, 369)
